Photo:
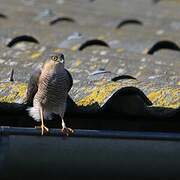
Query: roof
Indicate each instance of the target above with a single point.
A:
(123, 55)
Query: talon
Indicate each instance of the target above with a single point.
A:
(67, 131)
(43, 128)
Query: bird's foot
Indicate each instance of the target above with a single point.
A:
(43, 129)
(67, 131)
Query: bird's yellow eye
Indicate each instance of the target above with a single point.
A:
(54, 58)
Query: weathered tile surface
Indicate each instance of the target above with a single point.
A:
(123, 55)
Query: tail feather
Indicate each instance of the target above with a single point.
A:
(34, 113)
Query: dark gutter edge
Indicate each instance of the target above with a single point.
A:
(5, 130)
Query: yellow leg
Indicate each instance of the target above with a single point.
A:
(65, 130)
(43, 127)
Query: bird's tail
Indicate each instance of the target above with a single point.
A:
(34, 113)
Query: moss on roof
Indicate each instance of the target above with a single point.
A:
(11, 92)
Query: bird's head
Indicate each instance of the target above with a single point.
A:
(55, 61)
(58, 58)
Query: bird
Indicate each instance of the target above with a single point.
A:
(47, 90)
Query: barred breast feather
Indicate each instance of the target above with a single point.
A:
(53, 89)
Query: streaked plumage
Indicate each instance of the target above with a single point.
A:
(48, 89)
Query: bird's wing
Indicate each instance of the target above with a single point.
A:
(33, 85)
(70, 80)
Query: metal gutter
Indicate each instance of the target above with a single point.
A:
(170, 136)
(25, 154)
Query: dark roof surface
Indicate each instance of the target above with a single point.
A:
(123, 55)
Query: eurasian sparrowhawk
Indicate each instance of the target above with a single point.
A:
(48, 89)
